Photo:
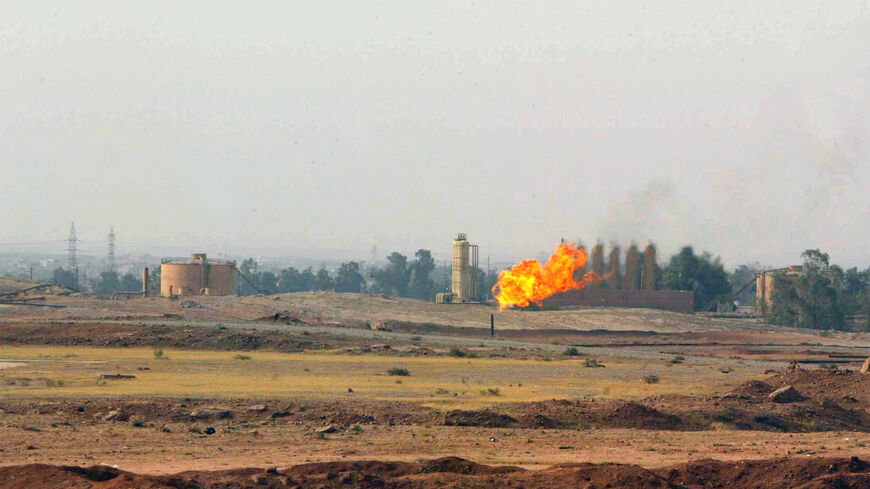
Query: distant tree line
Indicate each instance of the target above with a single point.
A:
(703, 274)
(254, 281)
(824, 296)
(417, 278)
(398, 277)
(107, 283)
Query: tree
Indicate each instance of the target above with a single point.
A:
(268, 282)
(154, 281)
(394, 277)
(106, 284)
(349, 278)
(852, 291)
(813, 298)
(743, 275)
(248, 283)
(488, 281)
(130, 282)
(289, 280)
(67, 278)
(307, 279)
(421, 284)
(703, 275)
(249, 266)
(322, 280)
(815, 261)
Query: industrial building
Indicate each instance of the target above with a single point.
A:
(636, 287)
(197, 276)
(465, 277)
(765, 284)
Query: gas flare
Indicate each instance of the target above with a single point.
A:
(530, 282)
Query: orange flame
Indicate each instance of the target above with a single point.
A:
(529, 282)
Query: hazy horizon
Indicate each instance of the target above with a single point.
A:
(325, 129)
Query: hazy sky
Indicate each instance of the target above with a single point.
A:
(323, 128)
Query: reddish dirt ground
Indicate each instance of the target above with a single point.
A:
(159, 442)
(454, 472)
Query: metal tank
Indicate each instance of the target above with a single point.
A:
(197, 276)
(597, 262)
(465, 277)
(631, 280)
(613, 282)
(461, 284)
(649, 268)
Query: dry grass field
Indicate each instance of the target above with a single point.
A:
(445, 382)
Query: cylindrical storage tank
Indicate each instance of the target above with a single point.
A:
(613, 280)
(222, 277)
(197, 276)
(461, 283)
(597, 261)
(631, 280)
(760, 294)
(580, 271)
(649, 268)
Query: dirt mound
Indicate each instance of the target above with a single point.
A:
(785, 395)
(604, 414)
(287, 317)
(779, 473)
(755, 389)
(187, 337)
(50, 476)
(488, 419)
(841, 473)
(594, 476)
(454, 465)
(826, 384)
(636, 415)
(310, 413)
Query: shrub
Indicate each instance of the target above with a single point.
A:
(571, 352)
(491, 391)
(457, 352)
(678, 359)
(592, 363)
(136, 422)
(399, 371)
(239, 356)
(651, 379)
(159, 355)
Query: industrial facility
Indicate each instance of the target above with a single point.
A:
(465, 279)
(633, 287)
(197, 276)
(765, 284)
(636, 277)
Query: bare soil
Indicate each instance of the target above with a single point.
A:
(455, 472)
(338, 440)
(832, 400)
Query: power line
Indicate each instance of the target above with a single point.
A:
(21, 243)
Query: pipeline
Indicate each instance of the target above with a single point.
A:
(35, 287)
